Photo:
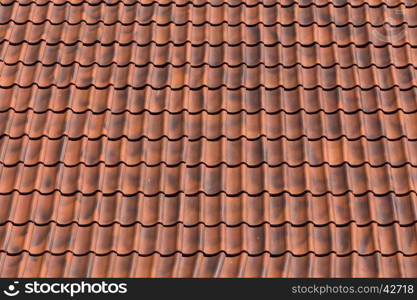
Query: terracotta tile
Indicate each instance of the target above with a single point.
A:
(318, 180)
(232, 3)
(366, 240)
(206, 76)
(91, 265)
(204, 12)
(209, 210)
(212, 101)
(204, 125)
(213, 56)
(211, 153)
(213, 138)
(135, 33)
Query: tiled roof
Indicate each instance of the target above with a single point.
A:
(208, 138)
(168, 240)
(209, 210)
(199, 265)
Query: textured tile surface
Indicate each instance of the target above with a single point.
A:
(209, 210)
(208, 138)
(198, 265)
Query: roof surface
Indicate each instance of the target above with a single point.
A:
(208, 138)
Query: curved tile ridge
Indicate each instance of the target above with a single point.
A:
(206, 165)
(187, 64)
(181, 224)
(210, 100)
(173, 13)
(299, 241)
(381, 23)
(205, 76)
(211, 153)
(209, 210)
(209, 126)
(201, 266)
(143, 35)
(230, 3)
(229, 255)
(394, 44)
(202, 111)
(216, 56)
(192, 181)
(206, 55)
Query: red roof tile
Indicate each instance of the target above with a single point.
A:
(211, 153)
(209, 210)
(198, 265)
(212, 138)
(211, 101)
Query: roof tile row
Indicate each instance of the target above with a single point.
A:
(209, 126)
(208, 210)
(80, 240)
(208, 152)
(209, 180)
(137, 77)
(214, 56)
(233, 3)
(198, 265)
(212, 101)
(137, 34)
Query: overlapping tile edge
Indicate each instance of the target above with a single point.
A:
(378, 258)
(199, 265)
(232, 3)
(173, 13)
